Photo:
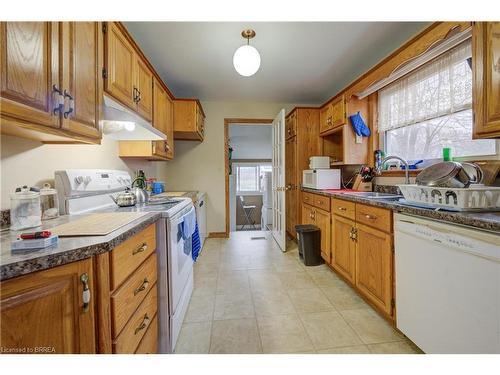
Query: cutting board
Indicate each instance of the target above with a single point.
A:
(173, 193)
(96, 224)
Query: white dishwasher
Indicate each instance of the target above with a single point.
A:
(447, 286)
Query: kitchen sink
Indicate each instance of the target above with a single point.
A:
(373, 195)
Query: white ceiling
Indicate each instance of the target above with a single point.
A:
(302, 62)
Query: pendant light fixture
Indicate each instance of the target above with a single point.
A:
(246, 59)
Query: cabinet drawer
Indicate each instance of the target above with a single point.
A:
(129, 255)
(128, 340)
(322, 202)
(376, 217)
(149, 343)
(307, 197)
(130, 294)
(344, 208)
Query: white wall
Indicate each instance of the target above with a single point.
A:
(251, 141)
(200, 166)
(27, 162)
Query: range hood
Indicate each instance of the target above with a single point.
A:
(120, 123)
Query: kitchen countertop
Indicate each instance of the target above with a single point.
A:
(68, 249)
(489, 221)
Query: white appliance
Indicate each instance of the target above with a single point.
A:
(267, 201)
(201, 216)
(319, 162)
(85, 190)
(447, 286)
(321, 178)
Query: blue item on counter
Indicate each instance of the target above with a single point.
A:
(412, 166)
(38, 243)
(359, 125)
(158, 187)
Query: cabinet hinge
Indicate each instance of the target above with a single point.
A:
(104, 73)
(104, 27)
(393, 303)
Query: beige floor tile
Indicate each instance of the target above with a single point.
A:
(283, 334)
(271, 302)
(235, 336)
(296, 280)
(370, 326)
(401, 347)
(329, 330)
(200, 309)
(210, 256)
(287, 265)
(194, 338)
(326, 278)
(204, 285)
(265, 282)
(310, 300)
(343, 297)
(233, 306)
(233, 282)
(206, 269)
(358, 349)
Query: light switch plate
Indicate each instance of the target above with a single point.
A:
(359, 139)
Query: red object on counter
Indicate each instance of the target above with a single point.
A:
(336, 190)
(35, 235)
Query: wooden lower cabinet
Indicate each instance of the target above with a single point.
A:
(344, 247)
(374, 259)
(320, 218)
(43, 312)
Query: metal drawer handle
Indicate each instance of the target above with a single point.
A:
(342, 209)
(143, 286)
(143, 247)
(84, 278)
(144, 324)
(370, 217)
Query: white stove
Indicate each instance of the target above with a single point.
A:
(88, 190)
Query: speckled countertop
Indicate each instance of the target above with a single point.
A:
(68, 249)
(482, 220)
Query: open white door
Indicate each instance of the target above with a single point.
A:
(279, 225)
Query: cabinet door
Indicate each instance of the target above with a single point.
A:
(29, 70)
(291, 125)
(82, 77)
(119, 61)
(323, 223)
(144, 85)
(374, 266)
(160, 117)
(307, 214)
(45, 310)
(338, 112)
(486, 79)
(343, 247)
(325, 118)
(170, 128)
(200, 121)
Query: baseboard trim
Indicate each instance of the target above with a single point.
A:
(218, 235)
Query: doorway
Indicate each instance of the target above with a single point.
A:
(248, 158)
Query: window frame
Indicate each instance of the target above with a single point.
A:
(236, 165)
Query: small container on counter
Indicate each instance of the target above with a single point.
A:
(158, 187)
(25, 208)
(49, 202)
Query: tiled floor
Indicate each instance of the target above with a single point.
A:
(249, 297)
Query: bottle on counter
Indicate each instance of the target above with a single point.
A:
(25, 208)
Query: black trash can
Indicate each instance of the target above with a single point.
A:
(309, 239)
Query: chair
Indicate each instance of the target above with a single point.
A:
(248, 211)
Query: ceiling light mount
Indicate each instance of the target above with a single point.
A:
(248, 34)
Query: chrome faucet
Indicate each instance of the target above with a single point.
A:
(378, 167)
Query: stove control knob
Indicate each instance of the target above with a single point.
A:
(87, 179)
(78, 180)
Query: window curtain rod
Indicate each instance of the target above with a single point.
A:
(438, 48)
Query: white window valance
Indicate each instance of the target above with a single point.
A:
(441, 87)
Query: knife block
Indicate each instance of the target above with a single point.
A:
(359, 185)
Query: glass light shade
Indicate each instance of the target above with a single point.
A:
(246, 60)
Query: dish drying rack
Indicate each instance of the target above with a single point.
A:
(474, 198)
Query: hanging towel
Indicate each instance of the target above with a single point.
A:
(189, 224)
(195, 243)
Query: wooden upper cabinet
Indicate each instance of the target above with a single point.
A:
(30, 69)
(189, 120)
(120, 62)
(161, 117)
(333, 114)
(374, 266)
(82, 43)
(343, 247)
(170, 127)
(144, 84)
(486, 78)
(45, 309)
(291, 125)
